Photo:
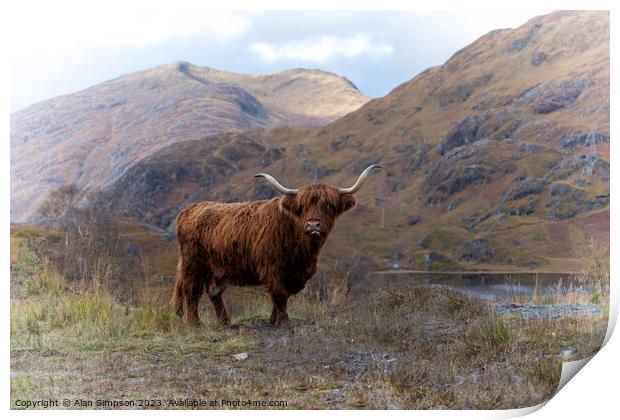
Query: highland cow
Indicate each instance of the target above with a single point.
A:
(271, 243)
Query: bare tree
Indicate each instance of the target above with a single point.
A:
(60, 209)
(94, 246)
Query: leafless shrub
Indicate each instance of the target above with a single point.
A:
(92, 244)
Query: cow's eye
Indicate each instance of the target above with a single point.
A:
(301, 209)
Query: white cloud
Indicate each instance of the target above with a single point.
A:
(320, 50)
(60, 26)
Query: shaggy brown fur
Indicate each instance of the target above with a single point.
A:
(273, 243)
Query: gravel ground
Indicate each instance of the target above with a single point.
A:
(552, 311)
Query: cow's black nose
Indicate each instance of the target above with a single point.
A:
(313, 225)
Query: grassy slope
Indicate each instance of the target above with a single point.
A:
(405, 347)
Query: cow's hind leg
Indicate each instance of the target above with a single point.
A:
(193, 292)
(177, 302)
(178, 299)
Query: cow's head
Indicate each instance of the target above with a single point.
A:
(317, 206)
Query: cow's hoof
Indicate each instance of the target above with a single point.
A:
(282, 323)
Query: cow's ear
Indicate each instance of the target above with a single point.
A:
(347, 201)
(288, 202)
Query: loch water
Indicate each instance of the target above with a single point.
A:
(491, 286)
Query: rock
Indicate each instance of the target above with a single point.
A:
(519, 44)
(482, 143)
(567, 352)
(477, 250)
(472, 220)
(417, 160)
(496, 125)
(559, 189)
(347, 140)
(465, 132)
(557, 101)
(538, 58)
(430, 257)
(423, 243)
(573, 140)
(376, 116)
(459, 169)
(570, 164)
(559, 212)
(600, 202)
(523, 209)
(270, 155)
(459, 179)
(523, 187)
(461, 92)
(411, 157)
(263, 191)
(547, 97)
(460, 153)
(454, 205)
(553, 311)
(470, 175)
(240, 356)
(456, 95)
(413, 219)
(566, 202)
(527, 148)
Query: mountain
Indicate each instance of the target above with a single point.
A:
(498, 158)
(91, 137)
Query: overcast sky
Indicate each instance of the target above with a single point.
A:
(56, 52)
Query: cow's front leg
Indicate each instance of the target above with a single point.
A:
(220, 309)
(279, 314)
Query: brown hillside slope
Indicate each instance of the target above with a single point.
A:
(498, 158)
(92, 136)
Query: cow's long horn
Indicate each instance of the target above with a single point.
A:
(277, 185)
(360, 180)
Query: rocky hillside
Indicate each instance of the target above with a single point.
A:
(498, 158)
(91, 137)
